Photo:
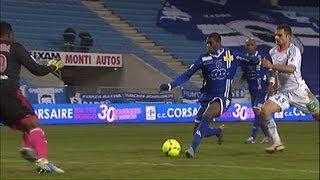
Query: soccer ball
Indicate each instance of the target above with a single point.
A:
(171, 147)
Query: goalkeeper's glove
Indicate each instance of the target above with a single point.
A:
(56, 64)
(165, 87)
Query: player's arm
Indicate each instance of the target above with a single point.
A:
(273, 83)
(183, 77)
(247, 59)
(293, 60)
(272, 75)
(29, 62)
(285, 68)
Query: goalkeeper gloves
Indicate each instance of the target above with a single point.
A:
(56, 64)
(165, 87)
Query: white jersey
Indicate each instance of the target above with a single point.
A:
(291, 56)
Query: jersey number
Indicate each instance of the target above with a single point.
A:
(3, 63)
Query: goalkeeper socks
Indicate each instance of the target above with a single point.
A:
(26, 142)
(273, 132)
(39, 142)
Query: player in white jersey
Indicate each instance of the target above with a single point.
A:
(287, 84)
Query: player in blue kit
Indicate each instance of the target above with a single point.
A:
(257, 79)
(218, 67)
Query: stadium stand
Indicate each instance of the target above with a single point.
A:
(133, 33)
(308, 11)
(145, 16)
(42, 29)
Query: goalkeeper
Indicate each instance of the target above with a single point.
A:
(16, 111)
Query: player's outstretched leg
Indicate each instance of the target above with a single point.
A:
(44, 166)
(189, 153)
(35, 145)
(29, 154)
(203, 130)
(40, 144)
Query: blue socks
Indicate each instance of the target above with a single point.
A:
(256, 125)
(203, 130)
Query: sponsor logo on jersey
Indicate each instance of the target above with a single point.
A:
(206, 58)
(228, 57)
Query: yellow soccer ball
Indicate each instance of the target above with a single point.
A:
(171, 147)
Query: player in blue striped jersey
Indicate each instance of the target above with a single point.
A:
(257, 80)
(218, 67)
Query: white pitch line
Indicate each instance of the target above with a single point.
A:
(179, 165)
(222, 166)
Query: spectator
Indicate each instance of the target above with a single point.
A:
(86, 41)
(69, 36)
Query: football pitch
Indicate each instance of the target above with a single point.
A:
(133, 151)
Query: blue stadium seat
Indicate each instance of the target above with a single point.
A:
(144, 18)
(312, 12)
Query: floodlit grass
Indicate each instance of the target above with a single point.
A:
(133, 151)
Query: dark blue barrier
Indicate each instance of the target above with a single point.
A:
(49, 95)
(191, 96)
(124, 97)
(146, 113)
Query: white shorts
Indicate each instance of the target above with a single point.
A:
(298, 98)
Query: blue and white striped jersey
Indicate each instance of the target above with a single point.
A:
(218, 70)
(257, 76)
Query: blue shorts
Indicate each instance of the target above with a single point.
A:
(206, 100)
(258, 98)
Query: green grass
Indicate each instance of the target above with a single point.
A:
(130, 151)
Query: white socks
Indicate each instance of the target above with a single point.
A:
(273, 132)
